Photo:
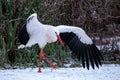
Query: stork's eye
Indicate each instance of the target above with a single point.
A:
(30, 18)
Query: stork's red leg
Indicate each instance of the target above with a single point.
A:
(42, 56)
(40, 60)
(39, 65)
(53, 65)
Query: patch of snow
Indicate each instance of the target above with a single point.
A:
(106, 72)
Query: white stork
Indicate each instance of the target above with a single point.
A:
(78, 41)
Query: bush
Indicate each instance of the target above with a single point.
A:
(100, 18)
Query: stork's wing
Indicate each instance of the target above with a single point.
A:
(33, 32)
(81, 46)
(23, 35)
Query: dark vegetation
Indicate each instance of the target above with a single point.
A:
(99, 18)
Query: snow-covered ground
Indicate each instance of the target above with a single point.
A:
(106, 72)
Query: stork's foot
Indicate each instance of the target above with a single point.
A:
(39, 70)
(39, 65)
(54, 66)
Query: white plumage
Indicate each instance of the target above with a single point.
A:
(39, 33)
(78, 41)
(78, 31)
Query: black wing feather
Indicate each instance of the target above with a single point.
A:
(95, 57)
(23, 35)
(87, 57)
(91, 57)
(86, 53)
(83, 56)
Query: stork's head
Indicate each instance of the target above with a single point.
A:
(32, 17)
(58, 37)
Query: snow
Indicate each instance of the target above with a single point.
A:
(106, 72)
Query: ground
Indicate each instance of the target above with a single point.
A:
(106, 72)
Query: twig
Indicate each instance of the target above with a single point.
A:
(15, 19)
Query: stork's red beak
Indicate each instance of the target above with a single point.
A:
(60, 40)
